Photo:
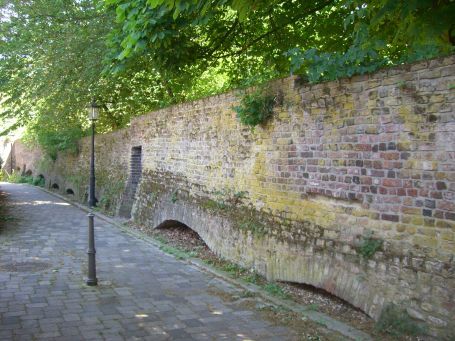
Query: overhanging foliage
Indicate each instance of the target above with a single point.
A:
(137, 55)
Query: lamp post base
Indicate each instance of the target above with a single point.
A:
(91, 282)
(91, 252)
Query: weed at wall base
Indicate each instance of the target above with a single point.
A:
(275, 290)
(16, 178)
(397, 322)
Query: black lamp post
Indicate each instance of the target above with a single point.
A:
(93, 110)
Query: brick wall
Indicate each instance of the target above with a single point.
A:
(341, 164)
(21, 158)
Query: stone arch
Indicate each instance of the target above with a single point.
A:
(175, 224)
(206, 226)
(274, 258)
(55, 186)
(69, 191)
(170, 223)
(327, 291)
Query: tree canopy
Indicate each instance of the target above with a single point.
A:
(134, 56)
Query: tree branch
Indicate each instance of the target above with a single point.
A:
(222, 40)
(276, 29)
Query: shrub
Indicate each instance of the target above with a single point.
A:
(255, 108)
(38, 181)
(3, 175)
(25, 179)
(14, 177)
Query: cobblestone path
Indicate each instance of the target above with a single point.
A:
(143, 293)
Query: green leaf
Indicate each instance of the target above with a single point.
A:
(155, 3)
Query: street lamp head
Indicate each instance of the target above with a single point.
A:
(93, 111)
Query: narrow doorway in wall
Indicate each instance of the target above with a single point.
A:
(133, 180)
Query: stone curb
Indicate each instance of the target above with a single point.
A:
(315, 316)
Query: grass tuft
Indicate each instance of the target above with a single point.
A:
(276, 290)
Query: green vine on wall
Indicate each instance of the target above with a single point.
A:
(369, 246)
(110, 195)
(255, 108)
(232, 203)
(225, 199)
(253, 225)
(174, 196)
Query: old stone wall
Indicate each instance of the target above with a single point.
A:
(350, 187)
(6, 147)
(18, 157)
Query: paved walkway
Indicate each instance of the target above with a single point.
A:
(143, 293)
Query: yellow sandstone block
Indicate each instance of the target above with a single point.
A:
(425, 241)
